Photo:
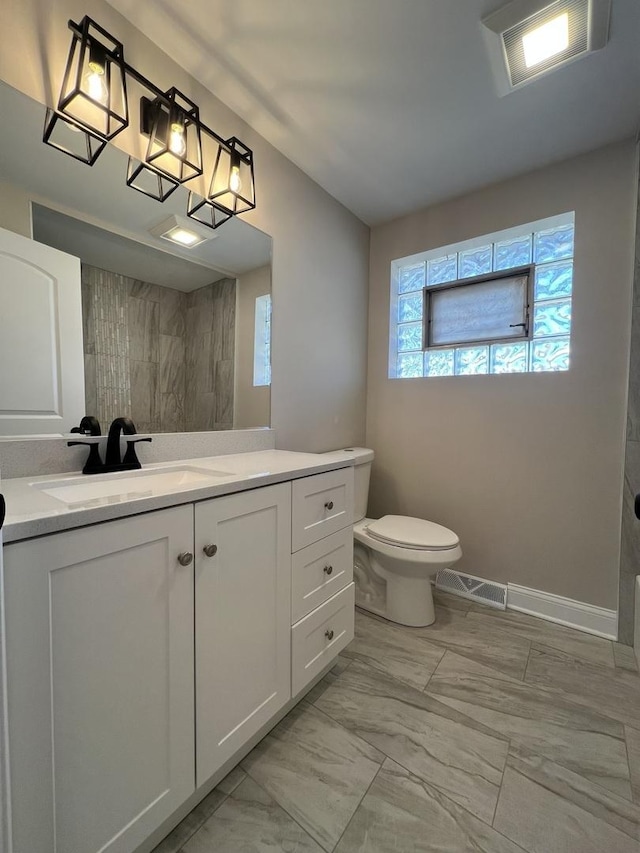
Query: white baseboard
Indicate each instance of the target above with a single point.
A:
(564, 611)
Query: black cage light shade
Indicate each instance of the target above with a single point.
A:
(173, 125)
(206, 212)
(70, 136)
(94, 88)
(233, 184)
(149, 181)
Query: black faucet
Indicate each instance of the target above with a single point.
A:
(113, 461)
(88, 426)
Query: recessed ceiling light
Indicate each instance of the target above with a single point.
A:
(529, 38)
(182, 236)
(546, 41)
(179, 231)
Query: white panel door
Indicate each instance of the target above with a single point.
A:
(243, 607)
(41, 352)
(99, 642)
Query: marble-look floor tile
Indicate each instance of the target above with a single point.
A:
(625, 657)
(453, 602)
(483, 643)
(539, 720)
(176, 839)
(613, 692)
(568, 640)
(616, 811)
(316, 770)
(391, 649)
(401, 812)
(541, 821)
(318, 689)
(250, 821)
(450, 751)
(632, 737)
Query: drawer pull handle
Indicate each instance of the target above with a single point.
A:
(186, 558)
(328, 505)
(210, 550)
(329, 635)
(328, 570)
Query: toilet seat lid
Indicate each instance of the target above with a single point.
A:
(414, 533)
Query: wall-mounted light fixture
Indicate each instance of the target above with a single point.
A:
(232, 185)
(172, 123)
(93, 108)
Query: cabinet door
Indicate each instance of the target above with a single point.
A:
(99, 634)
(243, 608)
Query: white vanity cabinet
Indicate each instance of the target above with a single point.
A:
(99, 652)
(323, 597)
(243, 648)
(145, 654)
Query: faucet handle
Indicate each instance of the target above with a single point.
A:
(94, 464)
(130, 457)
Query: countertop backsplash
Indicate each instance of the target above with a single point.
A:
(24, 457)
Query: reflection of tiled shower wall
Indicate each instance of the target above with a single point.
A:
(630, 544)
(106, 343)
(211, 323)
(137, 361)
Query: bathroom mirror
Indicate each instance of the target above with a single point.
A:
(178, 339)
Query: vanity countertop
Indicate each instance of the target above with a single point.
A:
(31, 512)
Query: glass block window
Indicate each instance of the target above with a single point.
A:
(473, 328)
(262, 341)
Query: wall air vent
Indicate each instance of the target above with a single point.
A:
(529, 38)
(477, 589)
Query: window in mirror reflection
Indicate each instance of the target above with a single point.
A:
(262, 341)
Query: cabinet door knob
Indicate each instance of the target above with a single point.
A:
(328, 505)
(210, 550)
(329, 634)
(186, 558)
(328, 570)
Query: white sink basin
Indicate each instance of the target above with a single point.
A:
(101, 489)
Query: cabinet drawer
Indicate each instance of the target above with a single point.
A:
(322, 504)
(320, 571)
(320, 637)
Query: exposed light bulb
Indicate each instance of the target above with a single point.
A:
(177, 142)
(96, 83)
(235, 184)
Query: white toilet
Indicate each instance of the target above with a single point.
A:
(396, 557)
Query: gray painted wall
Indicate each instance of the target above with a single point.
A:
(527, 469)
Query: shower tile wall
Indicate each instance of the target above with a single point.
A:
(106, 343)
(211, 323)
(161, 356)
(630, 539)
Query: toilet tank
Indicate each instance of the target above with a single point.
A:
(363, 457)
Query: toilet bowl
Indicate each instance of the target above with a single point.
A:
(396, 557)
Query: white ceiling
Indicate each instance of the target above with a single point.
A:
(390, 105)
